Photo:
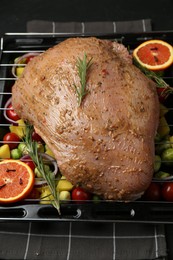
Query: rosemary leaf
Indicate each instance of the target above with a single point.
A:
(82, 66)
(37, 159)
(154, 76)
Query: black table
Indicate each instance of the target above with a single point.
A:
(15, 14)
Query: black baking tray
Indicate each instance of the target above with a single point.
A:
(16, 44)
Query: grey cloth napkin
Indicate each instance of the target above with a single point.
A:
(89, 27)
(83, 240)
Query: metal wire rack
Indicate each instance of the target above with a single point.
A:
(13, 46)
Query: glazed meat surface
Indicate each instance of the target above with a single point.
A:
(105, 144)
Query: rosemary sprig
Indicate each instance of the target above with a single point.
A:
(37, 159)
(155, 77)
(83, 67)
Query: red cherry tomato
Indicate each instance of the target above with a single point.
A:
(153, 192)
(11, 113)
(27, 159)
(34, 194)
(80, 194)
(36, 137)
(167, 191)
(29, 58)
(11, 139)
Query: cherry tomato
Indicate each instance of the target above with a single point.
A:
(34, 194)
(153, 192)
(29, 58)
(11, 139)
(27, 159)
(167, 191)
(36, 137)
(79, 193)
(11, 113)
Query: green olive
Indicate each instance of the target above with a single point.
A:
(157, 163)
(23, 148)
(167, 157)
(165, 144)
(161, 175)
(38, 173)
(16, 153)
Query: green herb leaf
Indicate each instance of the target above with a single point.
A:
(37, 159)
(155, 77)
(83, 66)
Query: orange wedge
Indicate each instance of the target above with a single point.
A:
(154, 55)
(16, 181)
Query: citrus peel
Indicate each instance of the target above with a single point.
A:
(16, 181)
(154, 55)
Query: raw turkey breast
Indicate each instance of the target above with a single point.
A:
(105, 144)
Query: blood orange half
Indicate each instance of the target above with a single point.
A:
(154, 54)
(16, 181)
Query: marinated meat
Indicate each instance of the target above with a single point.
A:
(105, 144)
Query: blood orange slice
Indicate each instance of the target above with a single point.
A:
(16, 181)
(154, 54)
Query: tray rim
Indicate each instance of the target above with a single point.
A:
(146, 205)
